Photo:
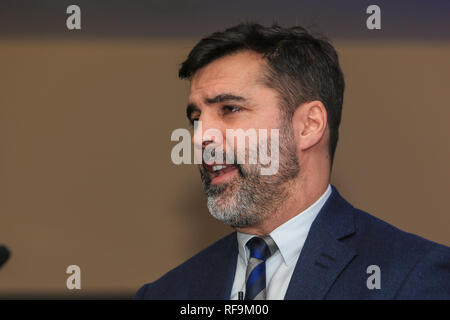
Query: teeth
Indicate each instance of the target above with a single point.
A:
(218, 167)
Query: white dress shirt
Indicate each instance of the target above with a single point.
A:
(290, 238)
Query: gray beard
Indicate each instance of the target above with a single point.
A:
(250, 198)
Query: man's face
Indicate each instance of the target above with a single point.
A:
(229, 94)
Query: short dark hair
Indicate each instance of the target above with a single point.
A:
(300, 66)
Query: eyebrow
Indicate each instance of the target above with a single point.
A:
(191, 107)
(224, 97)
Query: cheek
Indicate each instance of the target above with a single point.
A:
(271, 118)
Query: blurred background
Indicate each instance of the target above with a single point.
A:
(86, 116)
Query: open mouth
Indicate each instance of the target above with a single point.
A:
(220, 172)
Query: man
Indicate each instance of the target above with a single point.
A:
(296, 237)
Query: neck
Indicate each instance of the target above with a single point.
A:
(301, 195)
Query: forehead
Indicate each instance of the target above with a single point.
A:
(236, 73)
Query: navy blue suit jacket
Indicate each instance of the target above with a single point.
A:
(342, 242)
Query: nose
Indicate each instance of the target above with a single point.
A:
(206, 131)
(197, 139)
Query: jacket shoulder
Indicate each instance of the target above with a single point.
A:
(389, 238)
(412, 266)
(175, 283)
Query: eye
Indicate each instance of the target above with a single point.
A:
(231, 109)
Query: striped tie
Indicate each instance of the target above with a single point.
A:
(260, 250)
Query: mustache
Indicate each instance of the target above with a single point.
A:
(225, 158)
(231, 158)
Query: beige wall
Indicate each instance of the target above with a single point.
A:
(86, 176)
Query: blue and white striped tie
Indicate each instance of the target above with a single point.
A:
(255, 281)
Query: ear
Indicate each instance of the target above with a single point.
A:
(309, 122)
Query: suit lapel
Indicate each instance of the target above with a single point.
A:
(323, 256)
(216, 280)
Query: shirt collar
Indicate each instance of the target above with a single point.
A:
(291, 235)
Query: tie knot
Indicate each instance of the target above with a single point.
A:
(261, 248)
